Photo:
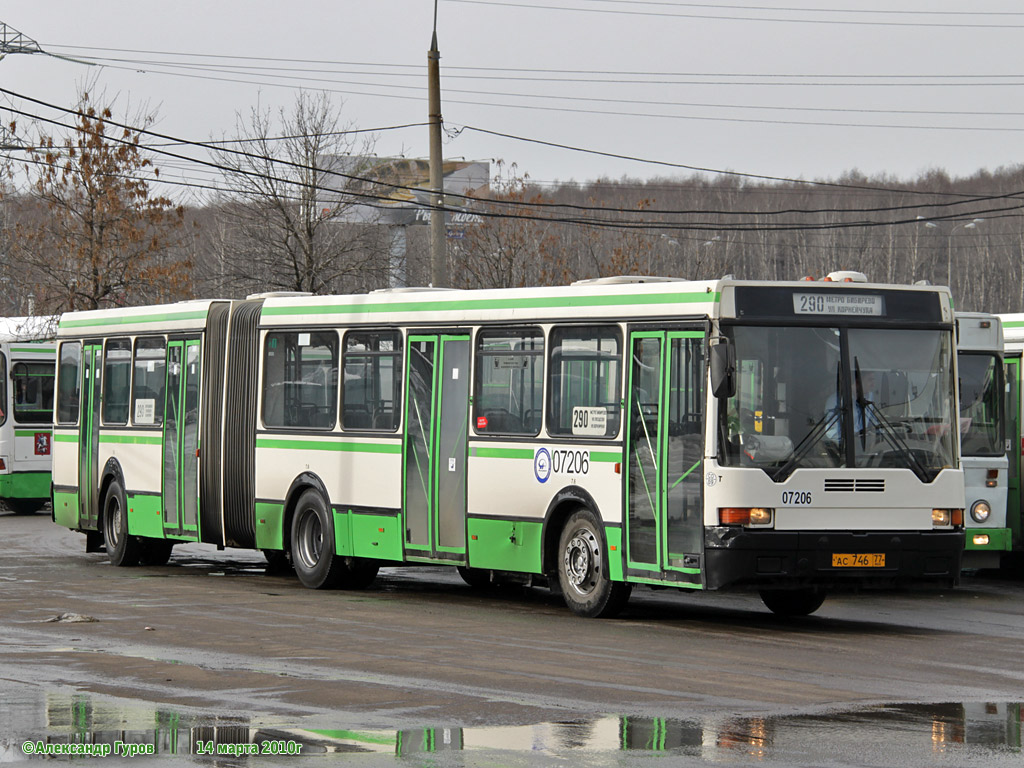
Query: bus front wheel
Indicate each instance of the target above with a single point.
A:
(123, 549)
(583, 574)
(792, 602)
(313, 556)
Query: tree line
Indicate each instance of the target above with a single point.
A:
(300, 204)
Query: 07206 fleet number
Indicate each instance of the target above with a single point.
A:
(796, 498)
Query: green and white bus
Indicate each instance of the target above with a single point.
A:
(27, 353)
(615, 432)
(1013, 348)
(983, 444)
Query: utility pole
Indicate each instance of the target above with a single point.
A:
(438, 245)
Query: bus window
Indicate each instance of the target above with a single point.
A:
(509, 382)
(300, 379)
(33, 392)
(373, 376)
(981, 403)
(3, 389)
(69, 382)
(148, 381)
(585, 380)
(117, 361)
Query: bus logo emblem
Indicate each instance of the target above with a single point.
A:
(542, 465)
(42, 443)
(711, 478)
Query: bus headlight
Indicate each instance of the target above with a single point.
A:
(945, 518)
(980, 511)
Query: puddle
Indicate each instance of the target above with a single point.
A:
(73, 726)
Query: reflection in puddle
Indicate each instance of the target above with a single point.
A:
(901, 734)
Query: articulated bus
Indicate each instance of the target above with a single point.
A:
(27, 355)
(785, 438)
(983, 438)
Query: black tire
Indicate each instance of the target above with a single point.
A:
(278, 562)
(358, 573)
(155, 551)
(792, 602)
(313, 557)
(478, 578)
(583, 569)
(24, 506)
(123, 549)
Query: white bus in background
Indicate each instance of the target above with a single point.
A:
(983, 445)
(595, 437)
(27, 359)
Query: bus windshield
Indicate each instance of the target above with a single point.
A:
(981, 404)
(840, 397)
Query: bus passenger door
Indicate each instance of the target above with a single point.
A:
(665, 448)
(1014, 450)
(181, 439)
(434, 452)
(89, 436)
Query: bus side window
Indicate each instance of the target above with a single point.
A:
(117, 361)
(148, 382)
(372, 379)
(300, 379)
(69, 382)
(585, 378)
(3, 388)
(509, 386)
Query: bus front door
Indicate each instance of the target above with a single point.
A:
(434, 447)
(181, 440)
(1014, 451)
(89, 436)
(665, 445)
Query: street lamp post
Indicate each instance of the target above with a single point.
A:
(972, 224)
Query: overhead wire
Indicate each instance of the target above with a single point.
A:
(517, 204)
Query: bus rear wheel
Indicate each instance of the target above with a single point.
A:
(155, 551)
(123, 549)
(313, 557)
(583, 573)
(792, 602)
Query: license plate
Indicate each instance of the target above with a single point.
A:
(859, 560)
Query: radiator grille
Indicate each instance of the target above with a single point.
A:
(851, 485)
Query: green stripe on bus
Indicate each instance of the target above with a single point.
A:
(537, 302)
(31, 432)
(132, 439)
(164, 317)
(65, 437)
(481, 452)
(328, 445)
(34, 350)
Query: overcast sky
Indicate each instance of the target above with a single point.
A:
(788, 88)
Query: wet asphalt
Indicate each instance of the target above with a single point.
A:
(213, 660)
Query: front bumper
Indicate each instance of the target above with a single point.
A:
(739, 557)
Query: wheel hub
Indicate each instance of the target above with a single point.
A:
(580, 562)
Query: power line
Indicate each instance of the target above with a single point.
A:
(769, 19)
(506, 203)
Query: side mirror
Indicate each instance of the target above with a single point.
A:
(723, 369)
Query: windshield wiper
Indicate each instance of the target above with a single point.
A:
(892, 437)
(887, 430)
(820, 429)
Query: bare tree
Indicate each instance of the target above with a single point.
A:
(296, 217)
(90, 231)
